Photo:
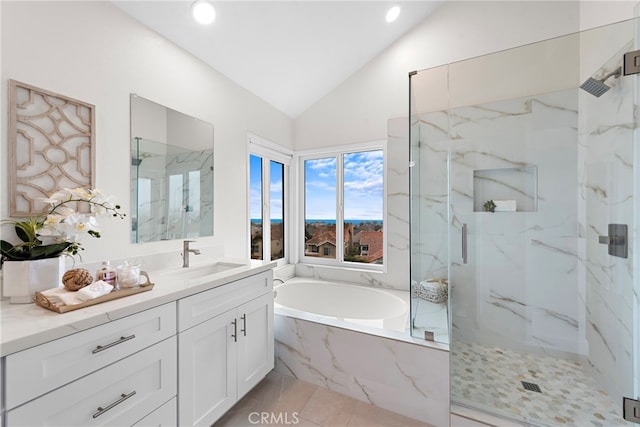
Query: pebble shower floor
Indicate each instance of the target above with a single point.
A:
(491, 379)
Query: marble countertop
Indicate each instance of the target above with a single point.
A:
(26, 325)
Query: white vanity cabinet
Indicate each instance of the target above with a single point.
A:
(225, 347)
(113, 374)
(1, 397)
(164, 416)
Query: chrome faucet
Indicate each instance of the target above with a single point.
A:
(186, 251)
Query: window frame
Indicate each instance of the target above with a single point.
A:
(338, 153)
(270, 151)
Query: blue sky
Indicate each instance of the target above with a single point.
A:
(363, 187)
(255, 188)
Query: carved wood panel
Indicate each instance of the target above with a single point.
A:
(51, 146)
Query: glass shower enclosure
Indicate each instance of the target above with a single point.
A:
(525, 212)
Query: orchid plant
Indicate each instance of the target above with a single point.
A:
(59, 230)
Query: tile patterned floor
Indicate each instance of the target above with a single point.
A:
(490, 378)
(286, 401)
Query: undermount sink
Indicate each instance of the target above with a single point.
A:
(206, 270)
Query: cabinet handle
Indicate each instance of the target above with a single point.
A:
(99, 348)
(244, 324)
(235, 330)
(123, 397)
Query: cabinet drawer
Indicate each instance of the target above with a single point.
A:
(37, 370)
(205, 305)
(120, 394)
(164, 416)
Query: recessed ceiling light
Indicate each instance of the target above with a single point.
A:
(203, 12)
(393, 13)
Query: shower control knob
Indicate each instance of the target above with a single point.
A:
(616, 241)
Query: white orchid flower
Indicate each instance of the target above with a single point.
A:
(78, 224)
(61, 223)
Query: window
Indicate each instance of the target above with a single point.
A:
(344, 207)
(268, 177)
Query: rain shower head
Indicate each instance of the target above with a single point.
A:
(598, 87)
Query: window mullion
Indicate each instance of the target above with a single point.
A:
(266, 212)
(339, 209)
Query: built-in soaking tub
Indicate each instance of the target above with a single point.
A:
(354, 340)
(362, 305)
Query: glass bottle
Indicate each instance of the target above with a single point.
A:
(106, 274)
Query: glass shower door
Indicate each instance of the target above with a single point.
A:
(429, 143)
(536, 179)
(543, 315)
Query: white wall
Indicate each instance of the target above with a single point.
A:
(93, 52)
(359, 108)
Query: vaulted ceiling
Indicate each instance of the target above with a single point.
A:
(289, 53)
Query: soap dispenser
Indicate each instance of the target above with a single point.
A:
(106, 274)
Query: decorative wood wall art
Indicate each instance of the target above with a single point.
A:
(51, 146)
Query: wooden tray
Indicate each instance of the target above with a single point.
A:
(60, 307)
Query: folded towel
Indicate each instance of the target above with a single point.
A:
(61, 295)
(94, 290)
(505, 205)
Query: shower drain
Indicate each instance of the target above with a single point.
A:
(531, 386)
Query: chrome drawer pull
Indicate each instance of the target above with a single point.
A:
(123, 397)
(244, 325)
(235, 330)
(99, 348)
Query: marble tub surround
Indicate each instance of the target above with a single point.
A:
(28, 325)
(365, 329)
(408, 378)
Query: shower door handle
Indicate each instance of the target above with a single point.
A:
(464, 243)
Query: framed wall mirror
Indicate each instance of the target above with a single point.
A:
(171, 173)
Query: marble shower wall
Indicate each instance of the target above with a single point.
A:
(537, 279)
(430, 197)
(502, 296)
(520, 287)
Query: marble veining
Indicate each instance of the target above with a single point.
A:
(405, 377)
(537, 282)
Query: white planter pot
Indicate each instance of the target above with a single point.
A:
(22, 279)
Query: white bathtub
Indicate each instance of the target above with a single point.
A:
(362, 305)
(353, 340)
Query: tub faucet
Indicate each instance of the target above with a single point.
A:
(186, 251)
(278, 279)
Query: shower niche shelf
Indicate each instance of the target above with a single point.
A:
(519, 185)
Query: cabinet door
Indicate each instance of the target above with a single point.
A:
(207, 370)
(255, 342)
